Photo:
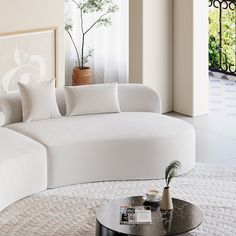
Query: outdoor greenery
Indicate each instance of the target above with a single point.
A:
(95, 7)
(171, 171)
(228, 38)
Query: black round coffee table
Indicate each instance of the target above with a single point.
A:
(183, 218)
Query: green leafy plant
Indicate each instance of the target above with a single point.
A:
(228, 43)
(102, 7)
(171, 171)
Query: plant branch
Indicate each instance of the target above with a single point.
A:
(75, 3)
(96, 22)
(82, 44)
(81, 21)
(73, 42)
(89, 6)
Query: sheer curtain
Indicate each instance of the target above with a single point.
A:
(109, 62)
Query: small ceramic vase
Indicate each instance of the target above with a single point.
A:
(166, 201)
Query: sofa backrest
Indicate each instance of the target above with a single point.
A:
(138, 98)
(11, 108)
(132, 98)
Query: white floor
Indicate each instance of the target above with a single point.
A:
(216, 132)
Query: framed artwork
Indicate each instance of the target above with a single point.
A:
(27, 57)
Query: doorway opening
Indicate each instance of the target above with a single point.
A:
(222, 56)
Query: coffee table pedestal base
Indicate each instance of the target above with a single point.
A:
(103, 231)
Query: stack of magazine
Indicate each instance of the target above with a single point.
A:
(135, 215)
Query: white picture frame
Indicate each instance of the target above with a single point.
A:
(28, 57)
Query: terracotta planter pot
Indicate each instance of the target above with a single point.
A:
(81, 77)
(166, 201)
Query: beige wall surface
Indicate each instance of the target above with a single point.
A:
(157, 48)
(190, 57)
(200, 59)
(151, 46)
(183, 56)
(174, 52)
(22, 15)
(135, 41)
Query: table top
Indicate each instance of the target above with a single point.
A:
(183, 218)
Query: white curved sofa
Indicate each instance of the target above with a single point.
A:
(23, 167)
(137, 143)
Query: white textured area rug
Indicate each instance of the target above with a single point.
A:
(71, 210)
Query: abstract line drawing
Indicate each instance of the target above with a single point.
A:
(27, 57)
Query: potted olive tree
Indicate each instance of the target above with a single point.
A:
(170, 173)
(102, 9)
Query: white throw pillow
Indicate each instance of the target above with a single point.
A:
(39, 101)
(92, 99)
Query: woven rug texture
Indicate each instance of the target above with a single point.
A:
(71, 210)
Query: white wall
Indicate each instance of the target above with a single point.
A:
(183, 56)
(200, 59)
(151, 46)
(17, 15)
(172, 54)
(190, 57)
(157, 48)
(135, 41)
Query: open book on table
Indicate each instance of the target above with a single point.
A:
(135, 215)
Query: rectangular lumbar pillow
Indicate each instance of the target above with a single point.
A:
(39, 101)
(91, 99)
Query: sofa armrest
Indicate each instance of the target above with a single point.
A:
(138, 97)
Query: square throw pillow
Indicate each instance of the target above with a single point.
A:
(39, 101)
(92, 99)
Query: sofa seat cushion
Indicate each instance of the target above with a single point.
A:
(127, 145)
(23, 167)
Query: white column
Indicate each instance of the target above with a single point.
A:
(200, 60)
(157, 48)
(135, 41)
(190, 57)
(150, 53)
